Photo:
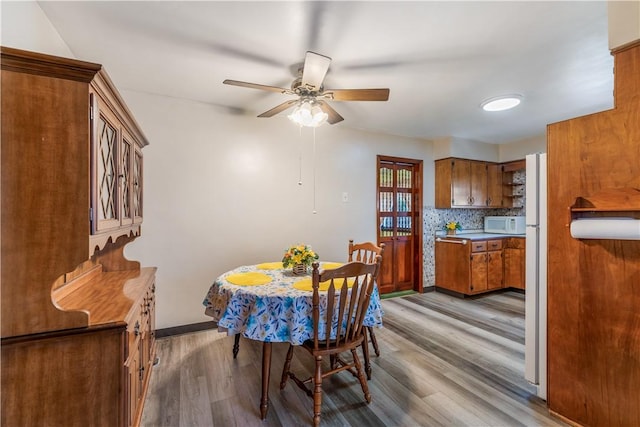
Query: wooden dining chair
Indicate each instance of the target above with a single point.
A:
(366, 252)
(337, 328)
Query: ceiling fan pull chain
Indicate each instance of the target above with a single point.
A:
(300, 158)
(314, 171)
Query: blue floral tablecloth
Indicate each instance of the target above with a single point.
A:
(274, 312)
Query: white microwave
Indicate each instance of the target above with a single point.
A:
(504, 224)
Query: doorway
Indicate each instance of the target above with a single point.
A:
(399, 220)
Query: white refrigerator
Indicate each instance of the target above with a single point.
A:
(535, 357)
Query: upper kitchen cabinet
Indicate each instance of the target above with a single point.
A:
(513, 182)
(462, 183)
(116, 166)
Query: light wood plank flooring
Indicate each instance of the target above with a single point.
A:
(444, 362)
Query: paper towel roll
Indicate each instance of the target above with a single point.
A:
(606, 228)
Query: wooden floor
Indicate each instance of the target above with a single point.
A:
(445, 362)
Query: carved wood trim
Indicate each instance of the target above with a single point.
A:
(46, 65)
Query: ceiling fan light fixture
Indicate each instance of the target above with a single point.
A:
(501, 103)
(308, 113)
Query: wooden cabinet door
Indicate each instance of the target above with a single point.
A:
(116, 171)
(460, 183)
(136, 196)
(125, 179)
(494, 186)
(443, 187)
(479, 272)
(452, 265)
(105, 188)
(495, 270)
(478, 184)
(514, 268)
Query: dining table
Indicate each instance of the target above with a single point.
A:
(269, 303)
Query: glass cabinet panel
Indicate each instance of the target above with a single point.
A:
(106, 139)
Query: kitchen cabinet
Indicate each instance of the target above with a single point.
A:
(513, 183)
(462, 183)
(494, 185)
(468, 266)
(514, 263)
(78, 341)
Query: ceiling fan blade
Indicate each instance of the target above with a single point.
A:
(357, 94)
(279, 108)
(314, 70)
(256, 86)
(334, 117)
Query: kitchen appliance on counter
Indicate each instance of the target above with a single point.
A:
(535, 354)
(504, 224)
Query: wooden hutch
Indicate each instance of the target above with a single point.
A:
(77, 317)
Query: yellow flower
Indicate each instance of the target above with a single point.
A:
(299, 254)
(453, 225)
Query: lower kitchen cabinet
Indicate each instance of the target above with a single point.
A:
(468, 267)
(514, 263)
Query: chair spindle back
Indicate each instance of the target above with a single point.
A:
(345, 309)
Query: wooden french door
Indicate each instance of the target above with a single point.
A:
(399, 213)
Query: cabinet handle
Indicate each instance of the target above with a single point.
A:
(458, 242)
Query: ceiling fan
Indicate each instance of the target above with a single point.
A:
(309, 89)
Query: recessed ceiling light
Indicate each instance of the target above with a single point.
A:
(501, 103)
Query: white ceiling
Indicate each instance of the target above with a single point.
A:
(439, 59)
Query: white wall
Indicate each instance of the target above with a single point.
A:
(626, 16)
(519, 149)
(25, 26)
(465, 149)
(222, 191)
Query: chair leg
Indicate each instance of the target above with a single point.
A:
(236, 345)
(373, 341)
(363, 381)
(285, 369)
(365, 355)
(317, 392)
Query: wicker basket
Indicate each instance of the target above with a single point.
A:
(299, 269)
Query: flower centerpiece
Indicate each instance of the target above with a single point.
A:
(452, 227)
(299, 257)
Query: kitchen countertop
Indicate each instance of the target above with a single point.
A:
(478, 235)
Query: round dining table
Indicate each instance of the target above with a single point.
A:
(268, 303)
